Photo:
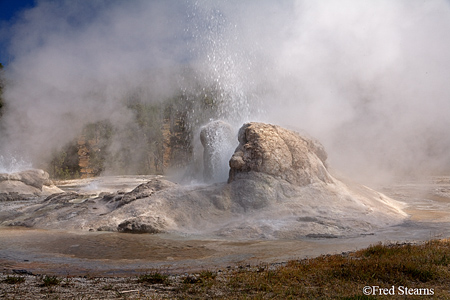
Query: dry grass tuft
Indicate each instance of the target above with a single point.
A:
(342, 276)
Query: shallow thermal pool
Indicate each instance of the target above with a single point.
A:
(105, 253)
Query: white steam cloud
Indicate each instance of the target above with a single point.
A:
(369, 79)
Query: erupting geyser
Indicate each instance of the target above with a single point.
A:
(218, 144)
(279, 187)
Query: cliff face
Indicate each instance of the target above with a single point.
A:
(85, 147)
(173, 149)
(177, 145)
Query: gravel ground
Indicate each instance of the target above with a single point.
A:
(34, 287)
(19, 285)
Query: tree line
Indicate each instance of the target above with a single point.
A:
(160, 137)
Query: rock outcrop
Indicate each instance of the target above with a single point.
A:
(141, 191)
(35, 178)
(25, 185)
(139, 225)
(275, 151)
(279, 187)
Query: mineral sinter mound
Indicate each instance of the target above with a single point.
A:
(278, 152)
(279, 187)
(25, 185)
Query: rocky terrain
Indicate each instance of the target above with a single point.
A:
(279, 187)
(24, 185)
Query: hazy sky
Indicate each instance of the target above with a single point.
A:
(369, 79)
(9, 9)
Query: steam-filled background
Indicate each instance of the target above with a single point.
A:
(369, 79)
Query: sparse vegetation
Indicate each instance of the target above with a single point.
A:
(50, 281)
(208, 275)
(153, 278)
(417, 267)
(65, 163)
(14, 279)
(421, 268)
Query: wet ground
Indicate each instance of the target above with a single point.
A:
(110, 254)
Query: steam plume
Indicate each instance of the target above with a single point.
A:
(367, 78)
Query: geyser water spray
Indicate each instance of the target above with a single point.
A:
(12, 164)
(366, 78)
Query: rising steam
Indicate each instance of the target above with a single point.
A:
(369, 79)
